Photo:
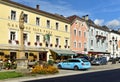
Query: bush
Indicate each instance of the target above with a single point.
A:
(45, 70)
(50, 62)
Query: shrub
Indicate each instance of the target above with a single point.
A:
(50, 62)
(45, 70)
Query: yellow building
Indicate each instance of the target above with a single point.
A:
(45, 34)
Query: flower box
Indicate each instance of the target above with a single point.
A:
(10, 41)
(17, 42)
(59, 46)
(36, 43)
(40, 44)
(56, 45)
(51, 45)
(28, 43)
(65, 46)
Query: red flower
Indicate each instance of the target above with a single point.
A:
(17, 42)
(59, 46)
(65, 46)
(36, 43)
(51, 45)
(40, 44)
(10, 41)
(56, 45)
(28, 43)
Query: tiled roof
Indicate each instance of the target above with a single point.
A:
(38, 11)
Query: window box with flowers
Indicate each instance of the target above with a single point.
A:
(10, 41)
(51, 45)
(68, 46)
(59, 46)
(35, 43)
(56, 45)
(65, 46)
(17, 42)
(28, 43)
(40, 44)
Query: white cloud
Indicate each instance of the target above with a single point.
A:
(114, 24)
(99, 21)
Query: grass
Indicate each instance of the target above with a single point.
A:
(12, 74)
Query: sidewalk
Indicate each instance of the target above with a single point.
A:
(65, 73)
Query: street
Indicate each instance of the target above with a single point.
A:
(101, 76)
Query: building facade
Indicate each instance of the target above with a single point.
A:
(97, 39)
(43, 32)
(114, 43)
(78, 35)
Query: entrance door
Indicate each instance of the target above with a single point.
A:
(12, 56)
(43, 56)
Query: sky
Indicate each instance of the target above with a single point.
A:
(102, 12)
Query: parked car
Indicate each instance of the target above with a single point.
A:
(75, 63)
(84, 56)
(99, 61)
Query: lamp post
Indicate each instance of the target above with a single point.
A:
(113, 42)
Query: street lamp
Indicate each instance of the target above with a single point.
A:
(113, 42)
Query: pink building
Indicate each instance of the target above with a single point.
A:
(78, 34)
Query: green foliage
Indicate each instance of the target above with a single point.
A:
(50, 62)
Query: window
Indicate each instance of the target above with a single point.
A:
(91, 42)
(66, 28)
(66, 42)
(57, 26)
(96, 32)
(25, 36)
(37, 38)
(91, 32)
(13, 15)
(75, 45)
(12, 35)
(79, 45)
(25, 18)
(37, 21)
(84, 34)
(79, 33)
(75, 33)
(57, 41)
(48, 24)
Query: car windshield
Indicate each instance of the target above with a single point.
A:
(84, 60)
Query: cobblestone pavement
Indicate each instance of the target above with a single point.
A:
(64, 72)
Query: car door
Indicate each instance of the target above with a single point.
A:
(69, 64)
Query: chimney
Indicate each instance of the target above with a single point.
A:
(86, 17)
(38, 7)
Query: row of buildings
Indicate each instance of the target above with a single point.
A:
(47, 36)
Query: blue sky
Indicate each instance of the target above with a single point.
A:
(102, 12)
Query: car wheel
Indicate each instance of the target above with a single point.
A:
(76, 68)
(59, 66)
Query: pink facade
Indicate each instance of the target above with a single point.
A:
(78, 34)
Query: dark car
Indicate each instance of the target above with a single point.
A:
(99, 61)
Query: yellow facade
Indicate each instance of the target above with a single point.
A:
(7, 25)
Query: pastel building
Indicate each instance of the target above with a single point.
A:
(98, 39)
(43, 34)
(114, 43)
(79, 34)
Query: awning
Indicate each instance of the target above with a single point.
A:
(64, 52)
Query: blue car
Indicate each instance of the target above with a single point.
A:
(75, 63)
